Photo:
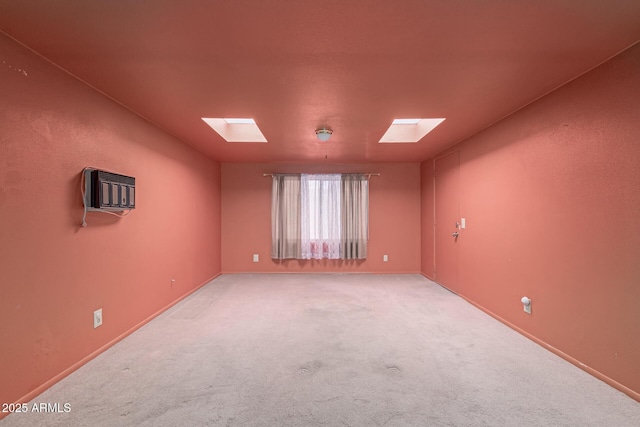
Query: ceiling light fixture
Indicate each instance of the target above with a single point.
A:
(324, 134)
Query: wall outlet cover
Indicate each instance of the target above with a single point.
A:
(97, 318)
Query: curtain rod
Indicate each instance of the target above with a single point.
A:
(360, 173)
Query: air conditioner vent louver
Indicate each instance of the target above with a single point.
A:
(109, 191)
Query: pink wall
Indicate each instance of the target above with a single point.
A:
(551, 196)
(55, 273)
(394, 219)
(427, 218)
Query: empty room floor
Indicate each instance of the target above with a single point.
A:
(329, 350)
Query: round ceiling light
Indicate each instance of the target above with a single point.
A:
(324, 134)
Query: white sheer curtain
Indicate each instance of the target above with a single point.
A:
(320, 213)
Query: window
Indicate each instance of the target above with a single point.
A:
(319, 216)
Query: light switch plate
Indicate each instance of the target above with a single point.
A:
(463, 223)
(256, 258)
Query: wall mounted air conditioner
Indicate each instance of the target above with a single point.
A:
(107, 191)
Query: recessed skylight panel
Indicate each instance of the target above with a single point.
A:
(406, 121)
(409, 130)
(233, 121)
(236, 129)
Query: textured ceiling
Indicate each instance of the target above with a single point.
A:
(351, 65)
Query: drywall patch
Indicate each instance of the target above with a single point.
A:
(42, 128)
(46, 348)
(17, 70)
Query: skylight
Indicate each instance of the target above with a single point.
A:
(406, 121)
(236, 129)
(240, 121)
(409, 130)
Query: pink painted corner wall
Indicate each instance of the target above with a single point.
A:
(551, 196)
(56, 273)
(427, 219)
(394, 219)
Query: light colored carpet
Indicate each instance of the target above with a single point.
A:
(329, 350)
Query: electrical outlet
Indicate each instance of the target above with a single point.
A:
(256, 258)
(97, 318)
(385, 258)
